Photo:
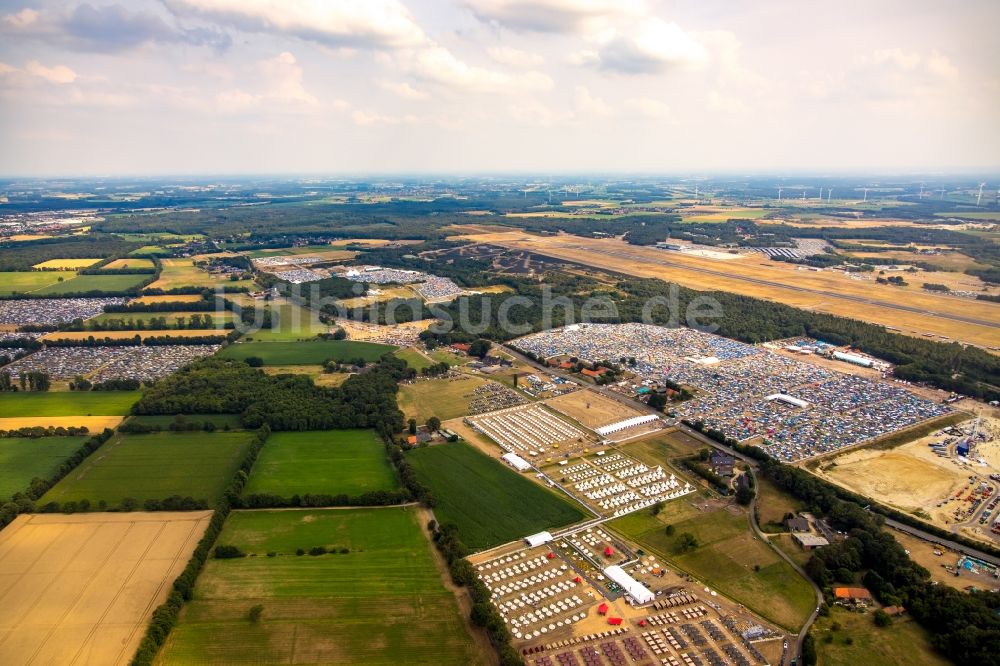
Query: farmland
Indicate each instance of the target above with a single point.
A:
(29, 281)
(315, 372)
(294, 322)
(66, 264)
(84, 283)
(169, 298)
(155, 466)
(490, 503)
(414, 359)
(137, 262)
(94, 424)
(71, 403)
(334, 462)
(118, 335)
(83, 587)
(219, 318)
(306, 353)
(446, 398)
(22, 459)
(183, 273)
(728, 559)
(381, 602)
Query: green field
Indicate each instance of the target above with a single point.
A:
(414, 359)
(382, 603)
(728, 559)
(331, 462)
(294, 322)
(904, 642)
(81, 283)
(70, 403)
(491, 503)
(22, 459)
(27, 281)
(219, 318)
(219, 420)
(155, 466)
(443, 398)
(306, 353)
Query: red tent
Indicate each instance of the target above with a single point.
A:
(603, 609)
(614, 620)
(608, 552)
(578, 580)
(550, 555)
(642, 623)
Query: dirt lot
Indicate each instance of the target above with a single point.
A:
(922, 553)
(591, 409)
(81, 588)
(909, 477)
(821, 291)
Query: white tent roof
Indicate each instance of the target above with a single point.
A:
(516, 461)
(538, 539)
(634, 588)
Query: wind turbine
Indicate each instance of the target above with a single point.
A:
(820, 197)
(779, 195)
(829, 195)
(942, 191)
(803, 195)
(866, 194)
(980, 196)
(921, 195)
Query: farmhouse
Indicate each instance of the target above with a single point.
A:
(797, 524)
(721, 463)
(809, 541)
(852, 595)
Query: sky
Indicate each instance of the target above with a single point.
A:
(168, 87)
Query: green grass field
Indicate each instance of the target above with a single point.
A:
(443, 398)
(306, 353)
(728, 559)
(382, 603)
(904, 642)
(490, 503)
(294, 323)
(332, 462)
(219, 318)
(220, 420)
(154, 466)
(772, 505)
(70, 403)
(414, 359)
(108, 283)
(29, 281)
(22, 459)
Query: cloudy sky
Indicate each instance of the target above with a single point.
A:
(360, 86)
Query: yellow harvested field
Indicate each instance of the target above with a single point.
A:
(67, 264)
(591, 409)
(827, 291)
(94, 424)
(166, 298)
(368, 332)
(28, 237)
(81, 588)
(183, 273)
(896, 477)
(384, 294)
(117, 335)
(135, 262)
(315, 372)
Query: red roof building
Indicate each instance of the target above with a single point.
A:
(603, 609)
(614, 620)
(461, 346)
(608, 551)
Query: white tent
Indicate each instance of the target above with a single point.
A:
(627, 423)
(632, 587)
(538, 539)
(516, 461)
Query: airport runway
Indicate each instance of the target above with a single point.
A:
(767, 283)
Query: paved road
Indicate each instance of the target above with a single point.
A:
(947, 543)
(767, 283)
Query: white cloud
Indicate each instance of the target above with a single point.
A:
(367, 118)
(588, 104)
(438, 64)
(649, 46)
(373, 24)
(650, 108)
(554, 16)
(511, 57)
(402, 89)
(284, 79)
(56, 74)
